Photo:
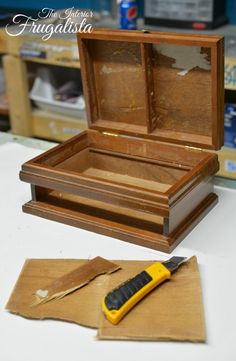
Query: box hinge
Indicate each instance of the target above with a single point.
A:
(193, 148)
(112, 134)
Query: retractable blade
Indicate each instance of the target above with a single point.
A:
(118, 302)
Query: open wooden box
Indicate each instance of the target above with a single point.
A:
(123, 177)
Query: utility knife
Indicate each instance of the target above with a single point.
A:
(118, 302)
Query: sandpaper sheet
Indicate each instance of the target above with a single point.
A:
(172, 311)
(81, 307)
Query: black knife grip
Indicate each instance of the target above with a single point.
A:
(115, 299)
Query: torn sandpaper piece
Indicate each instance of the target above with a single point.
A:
(74, 280)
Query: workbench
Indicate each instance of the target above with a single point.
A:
(24, 236)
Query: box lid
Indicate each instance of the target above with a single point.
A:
(163, 86)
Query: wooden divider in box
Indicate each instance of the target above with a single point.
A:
(160, 86)
(117, 178)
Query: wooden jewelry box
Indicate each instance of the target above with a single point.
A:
(151, 99)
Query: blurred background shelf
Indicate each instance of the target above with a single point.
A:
(25, 120)
(54, 51)
(3, 41)
(3, 105)
(55, 127)
(230, 71)
(227, 159)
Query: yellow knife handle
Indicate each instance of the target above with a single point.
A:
(118, 302)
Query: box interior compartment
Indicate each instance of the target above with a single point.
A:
(150, 90)
(92, 158)
(122, 169)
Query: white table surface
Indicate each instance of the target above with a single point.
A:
(24, 236)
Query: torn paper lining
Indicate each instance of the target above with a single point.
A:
(186, 57)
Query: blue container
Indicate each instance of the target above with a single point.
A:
(230, 125)
(231, 11)
(128, 14)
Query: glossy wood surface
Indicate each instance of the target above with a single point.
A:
(131, 232)
(139, 190)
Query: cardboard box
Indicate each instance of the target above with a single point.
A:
(227, 159)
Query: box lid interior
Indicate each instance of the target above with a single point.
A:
(163, 86)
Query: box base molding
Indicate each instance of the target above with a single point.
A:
(123, 232)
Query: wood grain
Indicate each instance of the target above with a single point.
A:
(15, 71)
(74, 183)
(183, 103)
(129, 230)
(134, 89)
(118, 178)
(73, 280)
